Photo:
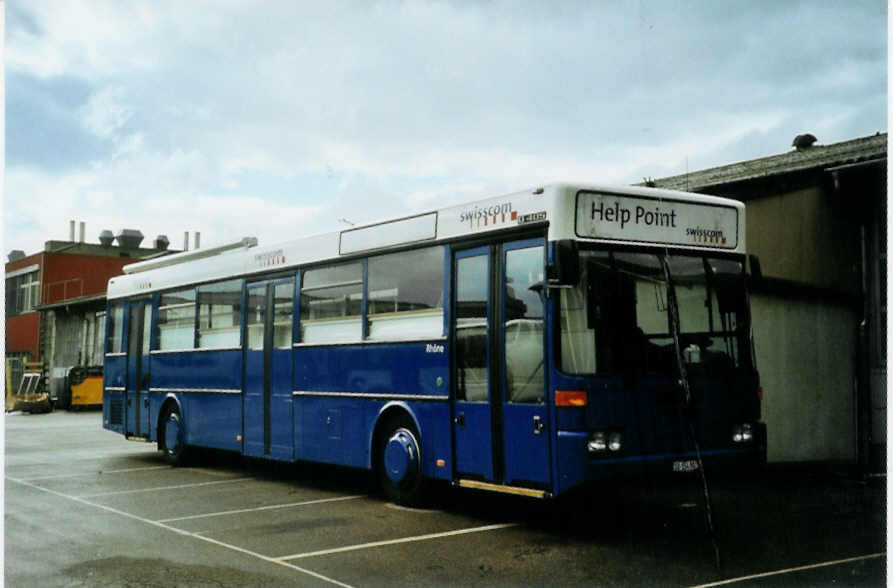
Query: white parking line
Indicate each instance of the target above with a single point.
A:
(259, 508)
(97, 473)
(219, 473)
(181, 532)
(159, 488)
(398, 541)
(797, 569)
(27, 461)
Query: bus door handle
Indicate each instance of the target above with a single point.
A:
(538, 425)
(460, 419)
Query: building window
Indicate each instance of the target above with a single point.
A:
(96, 329)
(22, 292)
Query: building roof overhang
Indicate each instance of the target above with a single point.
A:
(871, 150)
(81, 300)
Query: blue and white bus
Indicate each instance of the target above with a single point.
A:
(527, 344)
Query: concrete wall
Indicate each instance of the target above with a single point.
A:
(805, 236)
(805, 355)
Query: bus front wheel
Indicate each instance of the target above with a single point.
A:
(171, 435)
(399, 461)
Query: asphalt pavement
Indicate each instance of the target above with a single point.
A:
(85, 507)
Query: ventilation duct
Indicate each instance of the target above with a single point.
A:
(161, 242)
(129, 238)
(16, 254)
(106, 237)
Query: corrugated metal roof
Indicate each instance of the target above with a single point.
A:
(817, 156)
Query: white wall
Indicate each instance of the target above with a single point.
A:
(806, 358)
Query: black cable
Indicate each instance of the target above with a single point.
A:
(673, 309)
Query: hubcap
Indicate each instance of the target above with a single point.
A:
(401, 457)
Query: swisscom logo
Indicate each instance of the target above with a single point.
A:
(488, 215)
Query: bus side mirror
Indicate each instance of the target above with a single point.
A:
(565, 270)
(755, 270)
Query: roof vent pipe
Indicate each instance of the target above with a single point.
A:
(198, 239)
(71, 231)
(185, 240)
(83, 231)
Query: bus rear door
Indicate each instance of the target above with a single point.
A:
(500, 420)
(137, 392)
(267, 406)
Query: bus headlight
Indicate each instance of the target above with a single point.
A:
(598, 442)
(615, 441)
(742, 433)
(603, 441)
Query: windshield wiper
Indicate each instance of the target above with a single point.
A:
(688, 409)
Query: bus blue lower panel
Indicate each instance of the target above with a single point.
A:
(577, 466)
(213, 420)
(338, 430)
(114, 375)
(208, 388)
(342, 390)
(335, 430)
(400, 368)
(213, 369)
(113, 411)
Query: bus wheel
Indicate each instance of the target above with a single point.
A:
(399, 462)
(171, 433)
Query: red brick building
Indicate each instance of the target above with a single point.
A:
(55, 300)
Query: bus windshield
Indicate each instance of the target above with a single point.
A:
(615, 320)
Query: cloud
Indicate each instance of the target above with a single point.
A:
(327, 110)
(106, 112)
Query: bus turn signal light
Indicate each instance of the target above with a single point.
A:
(570, 398)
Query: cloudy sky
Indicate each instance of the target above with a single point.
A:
(277, 119)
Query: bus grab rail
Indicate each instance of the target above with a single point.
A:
(177, 258)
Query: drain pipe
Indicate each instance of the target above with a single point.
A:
(863, 369)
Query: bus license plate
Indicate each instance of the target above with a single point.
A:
(689, 465)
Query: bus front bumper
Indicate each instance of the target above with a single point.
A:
(577, 466)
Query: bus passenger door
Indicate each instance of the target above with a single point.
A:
(500, 417)
(137, 393)
(267, 430)
(525, 419)
(472, 414)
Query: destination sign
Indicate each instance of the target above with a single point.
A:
(632, 218)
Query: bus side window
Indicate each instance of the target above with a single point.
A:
(176, 320)
(331, 304)
(405, 299)
(524, 325)
(116, 328)
(220, 311)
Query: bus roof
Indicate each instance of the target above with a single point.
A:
(585, 212)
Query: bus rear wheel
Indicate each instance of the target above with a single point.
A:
(399, 462)
(171, 435)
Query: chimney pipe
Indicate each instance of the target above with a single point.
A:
(198, 239)
(71, 231)
(186, 241)
(83, 231)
